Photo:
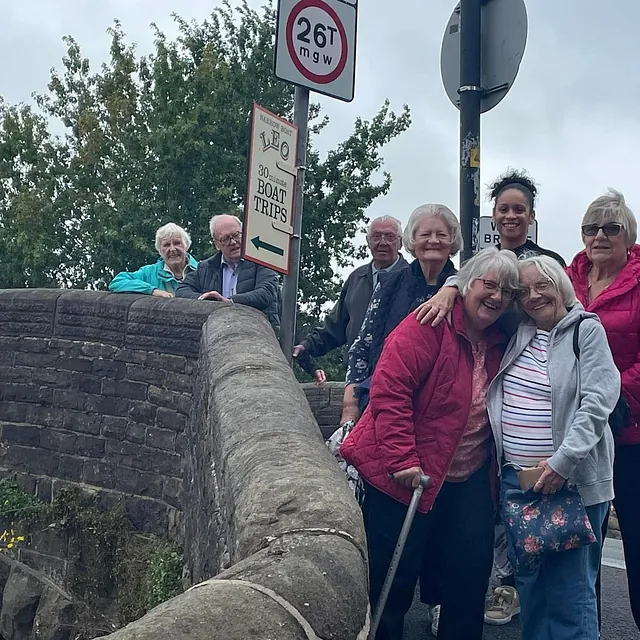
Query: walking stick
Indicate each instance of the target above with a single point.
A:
(397, 554)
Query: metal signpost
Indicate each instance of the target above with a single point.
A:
(483, 46)
(489, 236)
(315, 50)
(268, 211)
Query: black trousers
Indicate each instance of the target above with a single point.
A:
(461, 524)
(626, 484)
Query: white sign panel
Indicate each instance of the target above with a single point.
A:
(489, 236)
(316, 45)
(268, 209)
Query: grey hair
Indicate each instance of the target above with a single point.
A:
(433, 211)
(215, 219)
(552, 270)
(503, 264)
(611, 207)
(385, 219)
(171, 229)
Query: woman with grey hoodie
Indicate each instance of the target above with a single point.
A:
(549, 408)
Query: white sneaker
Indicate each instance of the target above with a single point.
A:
(433, 613)
(505, 604)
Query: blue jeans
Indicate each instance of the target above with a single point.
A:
(558, 599)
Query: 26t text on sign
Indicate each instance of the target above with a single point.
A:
(271, 182)
(316, 45)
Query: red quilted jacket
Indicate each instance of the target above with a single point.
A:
(618, 308)
(419, 404)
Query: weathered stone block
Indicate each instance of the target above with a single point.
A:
(20, 600)
(182, 444)
(26, 359)
(51, 378)
(83, 365)
(131, 355)
(130, 455)
(104, 405)
(44, 416)
(101, 474)
(24, 434)
(136, 432)
(31, 460)
(161, 439)
(179, 382)
(113, 427)
(55, 617)
(138, 483)
(143, 412)
(19, 392)
(169, 419)
(147, 515)
(163, 397)
(62, 441)
(88, 384)
(124, 389)
(53, 568)
(166, 464)
(98, 351)
(16, 375)
(167, 362)
(90, 446)
(69, 399)
(82, 422)
(173, 492)
(145, 374)
(109, 368)
(13, 411)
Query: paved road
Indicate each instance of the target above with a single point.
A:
(617, 623)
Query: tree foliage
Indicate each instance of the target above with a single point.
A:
(164, 137)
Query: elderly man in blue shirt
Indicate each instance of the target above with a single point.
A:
(226, 277)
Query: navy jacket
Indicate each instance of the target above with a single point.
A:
(257, 286)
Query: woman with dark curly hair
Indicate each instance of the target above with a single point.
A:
(514, 197)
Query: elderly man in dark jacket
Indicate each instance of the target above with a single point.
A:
(226, 277)
(343, 322)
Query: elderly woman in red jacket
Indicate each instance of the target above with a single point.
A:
(427, 414)
(606, 279)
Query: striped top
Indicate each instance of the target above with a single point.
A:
(526, 405)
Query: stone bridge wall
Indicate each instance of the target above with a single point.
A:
(189, 413)
(95, 391)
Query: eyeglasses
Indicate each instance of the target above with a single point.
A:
(387, 237)
(539, 287)
(490, 285)
(609, 229)
(225, 241)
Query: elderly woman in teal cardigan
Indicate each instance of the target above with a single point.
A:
(162, 277)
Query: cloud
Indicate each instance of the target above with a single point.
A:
(571, 118)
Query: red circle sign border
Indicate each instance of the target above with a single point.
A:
(342, 63)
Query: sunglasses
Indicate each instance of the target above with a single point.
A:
(609, 229)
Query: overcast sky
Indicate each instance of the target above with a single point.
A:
(572, 119)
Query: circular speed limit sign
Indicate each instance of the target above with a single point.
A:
(316, 41)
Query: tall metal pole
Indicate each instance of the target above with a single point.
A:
(470, 95)
(290, 289)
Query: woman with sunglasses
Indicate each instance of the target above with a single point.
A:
(606, 279)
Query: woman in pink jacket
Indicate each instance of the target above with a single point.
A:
(606, 279)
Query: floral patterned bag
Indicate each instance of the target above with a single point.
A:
(537, 524)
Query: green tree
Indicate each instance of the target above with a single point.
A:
(164, 137)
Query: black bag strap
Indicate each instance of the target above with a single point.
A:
(576, 335)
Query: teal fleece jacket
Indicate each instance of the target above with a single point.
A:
(148, 278)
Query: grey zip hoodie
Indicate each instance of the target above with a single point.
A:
(583, 395)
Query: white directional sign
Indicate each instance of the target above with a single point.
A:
(489, 236)
(268, 209)
(316, 45)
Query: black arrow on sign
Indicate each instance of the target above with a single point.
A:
(260, 244)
